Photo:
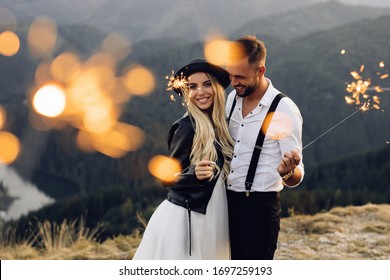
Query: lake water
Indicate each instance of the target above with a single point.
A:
(27, 196)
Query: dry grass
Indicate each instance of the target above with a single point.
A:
(68, 241)
(54, 237)
(349, 233)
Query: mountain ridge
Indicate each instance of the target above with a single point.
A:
(196, 21)
(317, 17)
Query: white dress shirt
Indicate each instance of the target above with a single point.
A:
(284, 134)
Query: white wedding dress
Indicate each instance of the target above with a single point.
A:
(167, 234)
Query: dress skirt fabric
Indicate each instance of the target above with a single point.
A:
(167, 234)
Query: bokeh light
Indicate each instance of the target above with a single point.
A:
(84, 141)
(43, 74)
(164, 168)
(216, 51)
(115, 142)
(139, 80)
(87, 94)
(100, 115)
(119, 92)
(3, 117)
(64, 67)
(9, 43)
(49, 100)
(42, 37)
(135, 135)
(280, 125)
(117, 46)
(9, 147)
(121, 139)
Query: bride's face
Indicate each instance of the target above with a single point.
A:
(201, 91)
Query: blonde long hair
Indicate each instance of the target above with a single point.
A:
(208, 131)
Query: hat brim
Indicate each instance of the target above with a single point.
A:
(200, 65)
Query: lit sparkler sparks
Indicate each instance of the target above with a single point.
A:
(359, 95)
(360, 88)
(177, 84)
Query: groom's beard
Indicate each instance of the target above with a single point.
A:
(248, 91)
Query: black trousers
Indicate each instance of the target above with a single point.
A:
(254, 224)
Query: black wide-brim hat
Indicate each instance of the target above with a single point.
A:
(201, 65)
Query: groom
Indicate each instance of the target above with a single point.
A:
(259, 169)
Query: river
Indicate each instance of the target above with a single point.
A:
(27, 197)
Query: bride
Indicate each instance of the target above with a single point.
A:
(192, 223)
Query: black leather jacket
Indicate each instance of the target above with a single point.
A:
(188, 191)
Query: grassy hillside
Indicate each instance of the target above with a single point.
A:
(350, 233)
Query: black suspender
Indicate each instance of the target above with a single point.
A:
(259, 141)
(232, 109)
(259, 144)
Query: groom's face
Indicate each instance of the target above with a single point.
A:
(244, 77)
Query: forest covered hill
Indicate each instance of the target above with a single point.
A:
(300, 22)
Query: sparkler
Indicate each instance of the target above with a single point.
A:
(179, 84)
(360, 87)
(363, 108)
(359, 90)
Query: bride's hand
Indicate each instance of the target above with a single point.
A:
(204, 169)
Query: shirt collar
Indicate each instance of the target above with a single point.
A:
(268, 97)
(269, 94)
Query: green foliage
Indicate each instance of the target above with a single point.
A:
(113, 210)
(355, 180)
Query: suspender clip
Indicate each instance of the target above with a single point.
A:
(258, 147)
(248, 186)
